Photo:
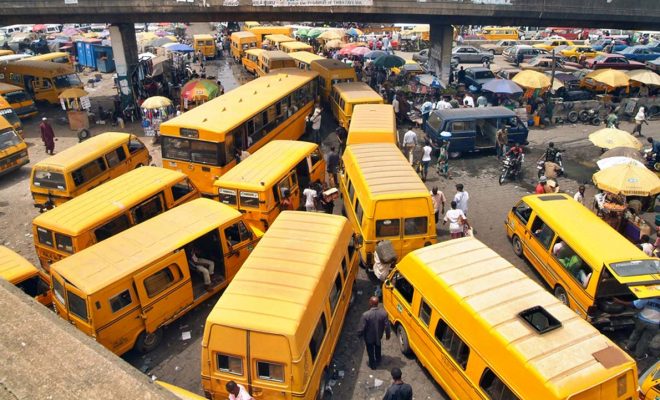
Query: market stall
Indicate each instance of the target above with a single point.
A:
(156, 110)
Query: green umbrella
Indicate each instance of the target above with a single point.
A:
(302, 32)
(389, 61)
(314, 33)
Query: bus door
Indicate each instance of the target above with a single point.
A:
(292, 184)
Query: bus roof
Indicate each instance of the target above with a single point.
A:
(107, 200)
(204, 36)
(272, 291)
(267, 165)
(305, 56)
(296, 45)
(278, 37)
(582, 223)
(7, 88)
(373, 118)
(357, 92)
(275, 55)
(13, 267)
(127, 252)
(331, 64)
(386, 172)
(43, 66)
(254, 52)
(228, 111)
(243, 35)
(489, 292)
(48, 56)
(260, 29)
(81, 153)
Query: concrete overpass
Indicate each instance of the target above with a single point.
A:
(631, 14)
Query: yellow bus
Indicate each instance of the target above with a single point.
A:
(272, 60)
(585, 262)
(500, 33)
(125, 289)
(330, 73)
(250, 24)
(290, 47)
(43, 80)
(240, 42)
(372, 123)
(13, 150)
(108, 209)
(203, 143)
(8, 113)
(257, 185)
(21, 273)
(275, 328)
(304, 59)
(19, 100)
(59, 57)
(80, 168)
(346, 95)
(262, 30)
(250, 60)
(276, 40)
(385, 199)
(205, 44)
(484, 330)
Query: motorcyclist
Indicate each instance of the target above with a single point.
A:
(516, 153)
(551, 153)
(612, 120)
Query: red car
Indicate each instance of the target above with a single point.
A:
(614, 61)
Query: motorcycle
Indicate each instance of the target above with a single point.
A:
(511, 167)
(540, 164)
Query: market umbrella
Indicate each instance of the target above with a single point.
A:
(314, 33)
(331, 35)
(39, 28)
(354, 32)
(605, 163)
(644, 76)
(302, 32)
(610, 77)
(609, 138)
(200, 90)
(73, 93)
(531, 79)
(162, 33)
(628, 179)
(502, 86)
(159, 42)
(389, 61)
(333, 44)
(374, 54)
(179, 47)
(623, 152)
(71, 32)
(346, 51)
(359, 51)
(156, 102)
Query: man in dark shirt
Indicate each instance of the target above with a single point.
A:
(398, 390)
(332, 165)
(372, 325)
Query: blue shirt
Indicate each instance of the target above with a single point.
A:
(656, 146)
(650, 310)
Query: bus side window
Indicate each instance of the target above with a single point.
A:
(494, 387)
(88, 171)
(523, 211)
(317, 337)
(115, 157)
(542, 232)
(134, 144)
(459, 351)
(112, 228)
(404, 288)
(147, 209)
(181, 189)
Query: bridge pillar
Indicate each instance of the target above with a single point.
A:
(440, 52)
(124, 48)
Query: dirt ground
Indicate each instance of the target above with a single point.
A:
(178, 361)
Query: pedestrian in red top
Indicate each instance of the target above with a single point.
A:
(540, 188)
(47, 135)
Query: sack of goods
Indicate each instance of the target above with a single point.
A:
(385, 252)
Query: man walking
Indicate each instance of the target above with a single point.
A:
(373, 323)
(315, 119)
(398, 390)
(332, 165)
(409, 143)
(47, 135)
(461, 198)
(438, 199)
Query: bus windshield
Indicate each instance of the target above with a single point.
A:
(16, 97)
(8, 139)
(10, 116)
(66, 81)
(192, 150)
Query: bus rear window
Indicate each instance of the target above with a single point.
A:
(636, 267)
(250, 199)
(45, 236)
(387, 228)
(227, 196)
(435, 122)
(64, 243)
(49, 180)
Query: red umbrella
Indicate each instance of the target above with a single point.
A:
(345, 51)
(360, 51)
(38, 28)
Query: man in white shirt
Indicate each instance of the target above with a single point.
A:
(579, 196)
(237, 392)
(426, 159)
(456, 220)
(468, 101)
(395, 105)
(443, 104)
(409, 143)
(461, 198)
(310, 195)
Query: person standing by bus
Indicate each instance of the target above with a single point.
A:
(373, 323)
(47, 136)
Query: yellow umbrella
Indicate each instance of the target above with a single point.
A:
(331, 35)
(628, 179)
(156, 102)
(644, 76)
(531, 79)
(333, 44)
(609, 138)
(610, 77)
(73, 93)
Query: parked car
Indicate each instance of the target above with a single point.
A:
(600, 45)
(573, 53)
(542, 64)
(654, 47)
(614, 61)
(507, 73)
(470, 54)
(498, 48)
(639, 53)
(477, 76)
(528, 52)
(421, 56)
(553, 43)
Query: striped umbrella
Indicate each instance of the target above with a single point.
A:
(200, 90)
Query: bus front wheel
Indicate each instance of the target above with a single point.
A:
(560, 294)
(517, 246)
(147, 342)
(322, 385)
(403, 340)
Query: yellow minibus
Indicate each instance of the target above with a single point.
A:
(262, 30)
(106, 210)
(250, 24)
(43, 80)
(348, 94)
(241, 41)
(19, 100)
(332, 72)
(250, 60)
(272, 60)
(204, 142)
(8, 113)
(21, 273)
(500, 33)
(290, 47)
(125, 289)
(304, 59)
(484, 330)
(205, 44)
(384, 198)
(256, 186)
(13, 149)
(82, 167)
(372, 123)
(59, 57)
(585, 262)
(276, 40)
(275, 328)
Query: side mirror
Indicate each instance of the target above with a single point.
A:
(388, 284)
(359, 241)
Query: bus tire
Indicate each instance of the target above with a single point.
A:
(322, 384)
(147, 342)
(517, 246)
(560, 294)
(404, 344)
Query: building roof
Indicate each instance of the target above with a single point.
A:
(76, 155)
